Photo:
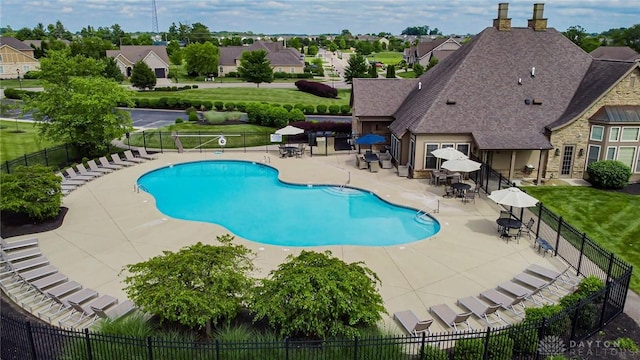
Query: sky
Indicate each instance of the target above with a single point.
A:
(314, 17)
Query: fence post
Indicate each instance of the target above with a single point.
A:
(574, 320)
(200, 140)
(584, 238)
(355, 348)
(144, 139)
(32, 344)
(7, 163)
(88, 341)
(608, 287)
(46, 157)
(26, 161)
(541, 330)
(558, 236)
(485, 354)
(286, 348)
(422, 344)
(161, 149)
(539, 220)
(217, 349)
(149, 348)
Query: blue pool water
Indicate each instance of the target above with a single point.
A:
(248, 199)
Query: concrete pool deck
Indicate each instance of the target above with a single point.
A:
(109, 225)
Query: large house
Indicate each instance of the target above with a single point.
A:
(155, 56)
(282, 59)
(525, 100)
(16, 58)
(615, 53)
(425, 51)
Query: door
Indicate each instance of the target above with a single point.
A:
(567, 161)
(412, 154)
(160, 73)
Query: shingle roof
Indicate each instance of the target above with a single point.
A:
(614, 53)
(388, 95)
(424, 47)
(277, 54)
(14, 43)
(482, 78)
(135, 53)
(618, 114)
(602, 74)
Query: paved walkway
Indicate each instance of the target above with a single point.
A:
(110, 225)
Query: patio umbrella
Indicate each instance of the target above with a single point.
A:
(289, 130)
(513, 197)
(448, 153)
(461, 164)
(370, 139)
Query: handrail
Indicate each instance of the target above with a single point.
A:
(266, 159)
(348, 179)
(423, 210)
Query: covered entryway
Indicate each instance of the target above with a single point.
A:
(160, 73)
(567, 161)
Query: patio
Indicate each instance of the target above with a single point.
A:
(110, 224)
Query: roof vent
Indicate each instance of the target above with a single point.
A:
(451, 102)
(537, 101)
(419, 85)
(527, 101)
(519, 81)
(533, 71)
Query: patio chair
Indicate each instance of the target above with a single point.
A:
(511, 233)
(130, 157)
(528, 227)
(503, 214)
(283, 152)
(43, 283)
(469, 196)
(564, 277)
(82, 312)
(483, 310)
(72, 175)
(411, 323)
(83, 171)
(57, 292)
(118, 161)
(142, 152)
(108, 165)
(116, 311)
(67, 181)
(536, 283)
(450, 317)
(94, 167)
(300, 152)
(62, 303)
(374, 166)
(7, 246)
(515, 305)
(518, 290)
(361, 163)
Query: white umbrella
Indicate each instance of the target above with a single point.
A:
(289, 130)
(462, 164)
(448, 153)
(513, 197)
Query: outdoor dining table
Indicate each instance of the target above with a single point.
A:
(371, 157)
(509, 223)
(460, 188)
(291, 150)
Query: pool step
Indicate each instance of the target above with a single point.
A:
(342, 191)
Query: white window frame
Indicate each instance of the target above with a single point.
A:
(280, 69)
(632, 157)
(0, 57)
(395, 145)
(468, 153)
(591, 134)
(591, 148)
(292, 70)
(611, 133)
(632, 128)
(615, 153)
(1, 69)
(427, 154)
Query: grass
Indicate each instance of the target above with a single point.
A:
(217, 117)
(15, 144)
(406, 74)
(607, 217)
(387, 57)
(26, 83)
(249, 95)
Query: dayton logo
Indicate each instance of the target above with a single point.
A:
(551, 345)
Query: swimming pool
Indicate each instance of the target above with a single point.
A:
(250, 201)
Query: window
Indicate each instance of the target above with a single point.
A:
(25, 68)
(625, 155)
(292, 70)
(431, 162)
(630, 134)
(463, 148)
(638, 164)
(280, 69)
(447, 145)
(395, 145)
(614, 134)
(0, 57)
(611, 153)
(596, 133)
(594, 154)
(1, 69)
(221, 70)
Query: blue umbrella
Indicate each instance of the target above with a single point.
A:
(370, 139)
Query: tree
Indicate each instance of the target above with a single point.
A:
(576, 34)
(172, 47)
(317, 295)
(78, 105)
(30, 193)
(202, 59)
(196, 286)
(111, 70)
(142, 76)
(199, 33)
(418, 69)
(255, 67)
(373, 70)
(432, 62)
(391, 72)
(356, 68)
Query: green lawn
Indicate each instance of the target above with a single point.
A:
(406, 74)
(26, 83)
(15, 144)
(386, 57)
(609, 218)
(248, 95)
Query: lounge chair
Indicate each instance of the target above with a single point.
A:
(118, 161)
(515, 305)
(385, 160)
(94, 167)
(83, 171)
(82, 312)
(25, 277)
(8, 246)
(142, 152)
(107, 165)
(58, 291)
(518, 290)
(130, 157)
(450, 317)
(25, 265)
(563, 277)
(69, 182)
(116, 311)
(19, 255)
(411, 323)
(72, 175)
(537, 282)
(45, 282)
(62, 302)
(482, 310)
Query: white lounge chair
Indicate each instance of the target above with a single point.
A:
(69, 182)
(142, 152)
(116, 311)
(515, 305)
(411, 323)
(518, 290)
(72, 175)
(450, 317)
(94, 167)
(118, 161)
(107, 165)
(483, 310)
(13, 245)
(84, 311)
(83, 171)
(564, 277)
(130, 157)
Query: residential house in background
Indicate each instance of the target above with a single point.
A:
(282, 59)
(425, 51)
(525, 100)
(155, 56)
(615, 53)
(16, 58)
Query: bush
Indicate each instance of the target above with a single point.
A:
(219, 105)
(241, 107)
(18, 94)
(500, 348)
(33, 74)
(194, 86)
(30, 193)
(556, 325)
(309, 109)
(609, 174)
(345, 109)
(179, 120)
(193, 116)
(229, 106)
(321, 109)
(525, 338)
(208, 105)
(288, 107)
(316, 88)
(626, 343)
(334, 109)
(299, 106)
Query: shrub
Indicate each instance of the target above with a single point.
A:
(172, 103)
(18, 94)
(288, 107)
(219, 105)
(316, 88)
(193, 116)
(556, 325)
(30, 193)
(241, 107)
(143, 102)
(321, 109)
(309, 109)
(194, 86)
(179, 120)
(229, 106)
(208, 105)
(609, 174)
(434, 353)
(162, 102)
(500, 348)
(626, 343)
(33, 74)
(299, 106)
(190, 110)
(334, 109)
(345, 109)
(232, 74)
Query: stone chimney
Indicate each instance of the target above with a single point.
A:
(502, 23)
(538, 23)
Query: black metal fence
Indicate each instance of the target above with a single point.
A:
(56, 157)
